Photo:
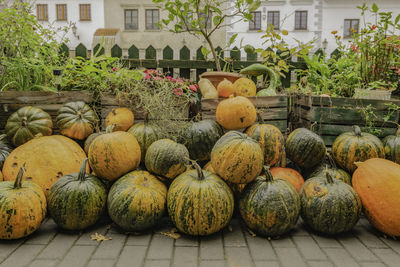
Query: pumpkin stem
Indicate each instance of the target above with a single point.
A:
(82, 171)
(110, 128)
(312, 127)
(330, 160)
(146, 117)
(357, 130)
(259, 118)
(328, 176)
(18, 180)
(268, 174)
(198, 169)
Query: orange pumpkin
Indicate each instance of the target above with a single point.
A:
(236, 113)
(209, 167)
(244, 87)
(290, 175)
(123, 119)
(377, 182)
(1, 176)
(225, 88)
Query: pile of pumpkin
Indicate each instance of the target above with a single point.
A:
(138, 175)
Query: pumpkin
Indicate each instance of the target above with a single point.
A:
(22, 207)
(305, 148)
(207, 89)
(199, 202)
(47, 159)
(5, 150)
(76, 201)
(237, 158)
(268, 206)
(225, 88)
(26, 123)
(76, 120)
(208, 167)
(137, 201)
(356, 146)
(333, 171)
(391, 145)
(377, 181)
(290, 175)
(271, 141)
(244, 87)
(146, 134)
(329, 206)
(89, 141)
(236, 113)
(200, 137)
(166, 158)
(113, 154)
(123, 119)
(1, 176)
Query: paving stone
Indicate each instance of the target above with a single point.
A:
(43, 263)
(267, 264)
(160, 247)
(326, 242)
(320, 264)
(309, 248)
(101, 263)
(283, 242)
(238, 256)
(8, 246)
(388, 256)
(212, 263)
(260, 248)
(211, 247)
(368, 239)
(85, 238)
(393, 244)
(22, 256)
(340, 257)
(110, 249)
(185, 257)
(299, 230)
(44, 234)
(290, 257)
(138, 240)
(187, 241)
(357, 249)
(59, 246)
(372, 264)
(77, 256)
(156, 263)
(233, 235)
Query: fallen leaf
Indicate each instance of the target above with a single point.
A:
(251, 233)
(99, 238)
(172, 233)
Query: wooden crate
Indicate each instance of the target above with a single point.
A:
(11, 101)
(335, 115)
(273, 109)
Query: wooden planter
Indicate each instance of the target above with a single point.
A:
(273, 109)
(335, 115)
(11, 101)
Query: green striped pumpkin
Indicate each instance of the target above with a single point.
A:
(76, 201)
(351, 147)
(268, 206)
(89, 141)
(333, 171)
(5, 150)
(200, 202)
(200, 137)
(137, 201)
(305, 148)
(391, 144)
(146, 134)
(329, 206)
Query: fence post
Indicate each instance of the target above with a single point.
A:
(199, 56)
(168, 54)
(336, 53)
(96, 48)
(116, 51)
(184, 54)
(64, 50)
(151, 53)
(81, 51)
(235, 56)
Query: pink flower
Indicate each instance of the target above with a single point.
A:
(157, 78)
(168, 78)
(398, 71)
(114, 69)
(193, 87)
(150, 71)
(178, 91)
(147, 76)
(373, 27)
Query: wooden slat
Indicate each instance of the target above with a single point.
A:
(265, 101)
(335, 130)
(44, 97)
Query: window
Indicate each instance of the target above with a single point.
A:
(84, 12)
(300, 20)
(152, 18)
(350, 27)
(41, 12)
(203, 19)
(255, 23)
(61, 11)
(273, 19)
(131, 19)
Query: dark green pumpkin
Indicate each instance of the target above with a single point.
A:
(200, 137)
(137, 201)
(166, 158)
(305, 148)
(89, 141)
(146, 134)
(354, 146)
(329, 206)
(76, 201)
(26, 123)
(330, 166)
(391, 144)
(200, 202)
(270, 207)
(5, 150)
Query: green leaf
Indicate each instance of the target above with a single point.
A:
(205, 52)
(397, 19)
(254, 6)
(374, 8)
(284, 32)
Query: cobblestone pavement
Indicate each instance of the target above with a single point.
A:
(233, 247)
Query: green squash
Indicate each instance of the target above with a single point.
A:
(89, 141)
(146, 133)
(391, 144)
(5, 150)
(333, 171)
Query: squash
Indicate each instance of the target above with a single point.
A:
(200, 137)
(1, 176)
(377, 181)
(122, 118)
(47, 158)
(146, 133)
(290, 175)
(89, 141)
(208, 167)
(236, 113)
(268, 206)
(5, 149)
(207, 89)
(356, 146)
(237, 158)
(244, 87)
(113, 154)
(137, 201)
(225, 88)
(305, 148)
(391, 145)
(22, 207)
(258, 69)
(329, 206)
(166, 158)
(76, 120)
(199, 202)
(333, 171)
(76, 201)
(26, 123)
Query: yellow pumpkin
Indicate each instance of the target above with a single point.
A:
(1, 176)
(236, 113)
(244, 87)
(207, 89)
(122, 118)
(225, 88)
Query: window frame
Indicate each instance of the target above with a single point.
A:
(273, 12)
(252, 23)
(154, 27)
(137, 19)
(301, 27)
(45, 11)
(350, 34)
(86, 18)
(64, 18)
